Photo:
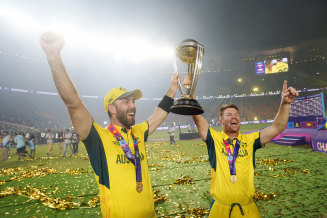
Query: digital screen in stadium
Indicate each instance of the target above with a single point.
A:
(271, 66)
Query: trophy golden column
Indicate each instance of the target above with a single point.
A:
(189, 52)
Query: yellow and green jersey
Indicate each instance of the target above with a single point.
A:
(116, 175)
(222, 189)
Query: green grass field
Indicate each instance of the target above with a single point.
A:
(290, 180)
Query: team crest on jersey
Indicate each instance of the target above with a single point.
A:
(243, 145)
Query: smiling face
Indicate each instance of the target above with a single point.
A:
(123, 112)
(230, 121)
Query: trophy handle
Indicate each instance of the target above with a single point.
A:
(197, 66)
(175, 72)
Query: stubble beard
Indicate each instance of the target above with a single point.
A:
(122, 118)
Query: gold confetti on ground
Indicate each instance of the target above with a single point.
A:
(19, 174)
(38, 194)
(159, 198)
(276, 161)
(263, 196)
(200, 211)
(291, 170)
(184, 180)
(94, 202)
(45, 197)
(306, 171)
(196, 159)
(155, 165)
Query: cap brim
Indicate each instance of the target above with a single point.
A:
(136, 93)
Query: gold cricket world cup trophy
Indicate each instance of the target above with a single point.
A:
(189, 52)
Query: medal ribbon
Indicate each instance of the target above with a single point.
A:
(137, 160)
(232, 157)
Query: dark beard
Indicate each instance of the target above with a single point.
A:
(121, 117)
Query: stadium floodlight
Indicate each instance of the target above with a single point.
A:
(132, 47)
(18, 18)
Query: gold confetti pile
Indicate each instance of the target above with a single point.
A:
(291, 170)
(200, 211)
(184, 180)
(45, 158)
(196, 159)
(159, 198)
(44, 196)
(9, 171)
(263, 196)
(276, 161)
(38, 194)
(174, 157)
(155, 165)
(83, 156)
(306, 171)
(94, 202)
(74, 172)
(34, 172)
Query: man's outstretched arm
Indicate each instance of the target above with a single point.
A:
(52, 44)
(280, 122)
(200, 122)
(202, 125)
(159, 115)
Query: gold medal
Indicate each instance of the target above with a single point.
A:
(233, 179)
(139, 187)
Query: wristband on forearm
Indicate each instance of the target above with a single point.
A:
(166, 103)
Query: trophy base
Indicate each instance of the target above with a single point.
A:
(186, 106)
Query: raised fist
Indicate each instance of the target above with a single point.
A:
(51, 43)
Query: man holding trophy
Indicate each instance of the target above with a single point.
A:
(117, 153)
(231, 154)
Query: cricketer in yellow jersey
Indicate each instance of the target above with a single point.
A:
(117, 152)
(231, 156)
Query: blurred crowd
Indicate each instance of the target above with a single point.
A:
(25, 142)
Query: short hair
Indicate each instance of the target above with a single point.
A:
(225, 106)
(109, 114)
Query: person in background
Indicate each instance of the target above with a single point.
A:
(31, 144)
(5, 144)
(20, 144)
(49, 136)
(68, 141)
(189, 128)
(171, 132)
(60, 138)
(75, 141)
